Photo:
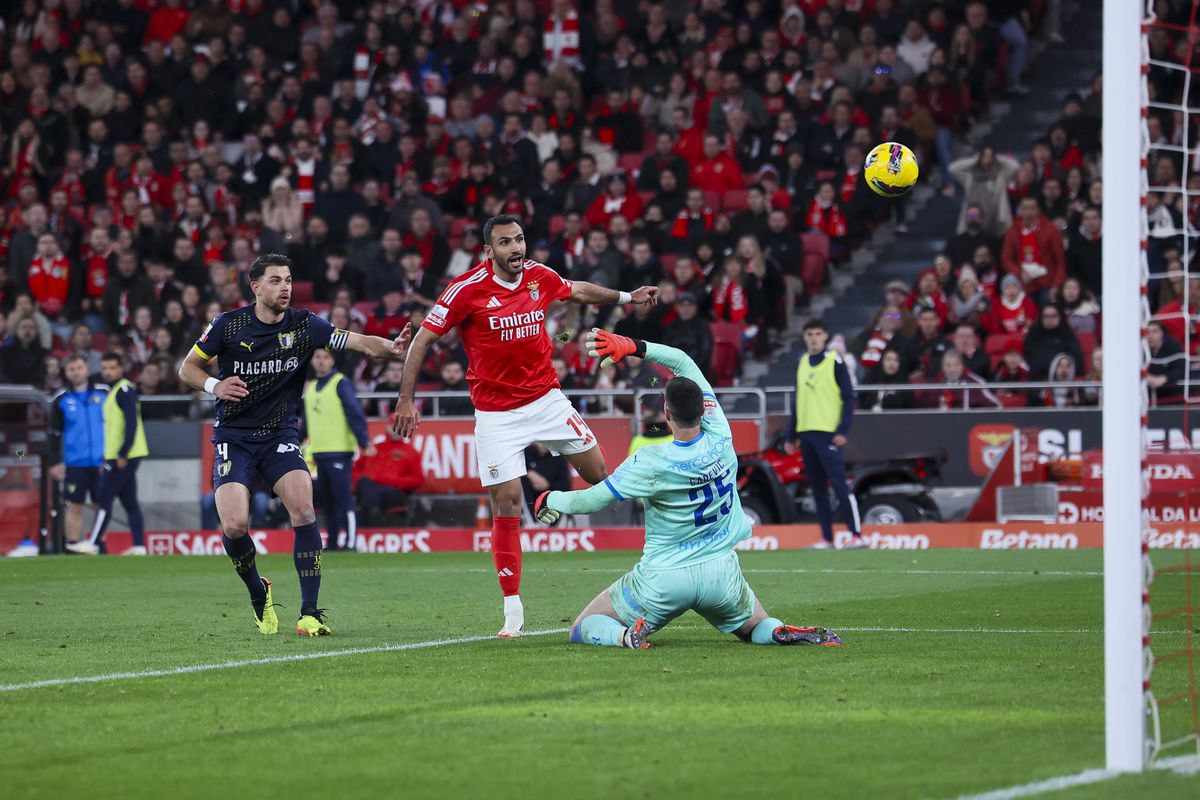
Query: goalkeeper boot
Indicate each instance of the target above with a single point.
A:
(264, 613)
(636, 637)
(312, 623)
(790, 634)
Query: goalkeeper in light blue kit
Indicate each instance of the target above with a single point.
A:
(694, 519)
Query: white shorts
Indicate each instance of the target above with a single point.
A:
(502, 436)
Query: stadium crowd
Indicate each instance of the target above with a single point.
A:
(153, 148)
(1016, 295)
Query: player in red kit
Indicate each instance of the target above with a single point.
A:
(500, 310)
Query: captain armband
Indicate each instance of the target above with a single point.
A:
(338, 340)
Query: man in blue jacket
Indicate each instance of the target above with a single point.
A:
(78, 420)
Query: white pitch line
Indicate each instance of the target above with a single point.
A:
(840, 628)
(391, 648)
(251, 662)
(1025, 572)
(1041, 787)
(797, 571)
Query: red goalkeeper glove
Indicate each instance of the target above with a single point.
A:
(612, 348)
(544, 513)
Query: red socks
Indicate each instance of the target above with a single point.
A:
(506, 553)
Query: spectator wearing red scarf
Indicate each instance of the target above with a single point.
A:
(435, 253)
(24, 156)
(729, 300)
(825, 216)
(49, 276)
(694, 220)
(1033, 251)
(98, 263)
(928, 294)
(615, 199)
(1013, 311)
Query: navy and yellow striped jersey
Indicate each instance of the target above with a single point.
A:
(272, 360)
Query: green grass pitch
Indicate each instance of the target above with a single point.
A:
(962, 672)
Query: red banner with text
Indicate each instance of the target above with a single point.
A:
(985, 536)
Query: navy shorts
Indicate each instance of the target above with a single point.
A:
(82, 483)
(243, 460)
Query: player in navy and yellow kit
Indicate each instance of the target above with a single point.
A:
(262, 353)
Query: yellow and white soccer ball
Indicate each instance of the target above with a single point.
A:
(891, 169)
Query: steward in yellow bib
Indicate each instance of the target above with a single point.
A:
(124, 449)
(336, 426)
(825, 402)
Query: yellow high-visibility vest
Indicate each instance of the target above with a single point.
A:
(818, 397)
(114, 426)
(328, 429)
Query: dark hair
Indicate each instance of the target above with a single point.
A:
(685, 402)
(499, 219)
(815, 324)
(113, 355)
(259, 267)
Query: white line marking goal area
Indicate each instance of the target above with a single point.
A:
(1042, 787)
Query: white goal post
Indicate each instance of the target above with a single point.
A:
(1124, 393)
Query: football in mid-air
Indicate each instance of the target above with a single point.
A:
(890, 169)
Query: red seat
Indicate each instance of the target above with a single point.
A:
(646, 197)
(366, 307)
(713, 200)
(631, 164)
(100, 342)
(557, 223)
(1013, 399)
(302, 292)
(1087, 343)
(668, 262)
(458, 225)
(735, 200)
(815, 267)
(727, 333)
(727, 352)
(998, 343)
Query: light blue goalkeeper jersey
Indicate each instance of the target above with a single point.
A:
(688, 489)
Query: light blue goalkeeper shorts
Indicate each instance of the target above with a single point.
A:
(716, 590)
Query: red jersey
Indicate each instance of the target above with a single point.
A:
(503, 330)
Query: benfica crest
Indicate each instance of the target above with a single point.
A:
(286, 340)
(533, 290)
